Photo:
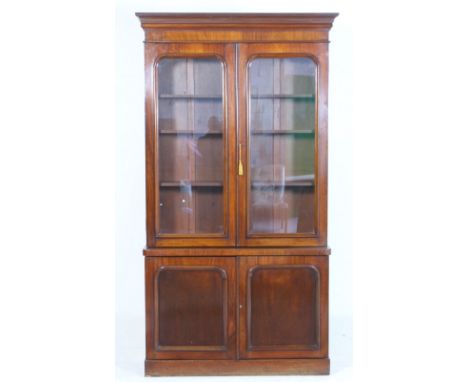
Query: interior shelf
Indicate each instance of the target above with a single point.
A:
(283, 96)
(298, 132)
(190, 132)
(281, 184)
(192, 184)
(191, 96)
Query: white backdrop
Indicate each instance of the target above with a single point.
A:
(130, 178)
(72, 198)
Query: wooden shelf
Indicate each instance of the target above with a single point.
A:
(282, 96)
(309, 183)
(253, 132)
(190, 132)
(191, 96)
(192, 184)
(293, 132)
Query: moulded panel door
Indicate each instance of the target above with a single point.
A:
(190, 308)
(282, 144)
(283, 307)
(191, 142)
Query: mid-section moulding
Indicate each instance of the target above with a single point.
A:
(305, 251)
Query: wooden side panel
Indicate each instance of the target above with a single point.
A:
(190, 308)
(283, 307)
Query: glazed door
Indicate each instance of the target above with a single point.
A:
(283, 309)
(191, 145)
(190, 308)
(282, 144)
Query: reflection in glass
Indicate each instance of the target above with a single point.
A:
(282, 145)
(190, 125)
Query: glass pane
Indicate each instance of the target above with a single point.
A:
(191, 149)
(282, 145)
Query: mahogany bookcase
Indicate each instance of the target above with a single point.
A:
(236, 261)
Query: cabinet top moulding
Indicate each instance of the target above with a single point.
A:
(236, 27)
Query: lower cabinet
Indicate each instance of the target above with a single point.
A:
(283, 307)
(246, 307)
(191, 308)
